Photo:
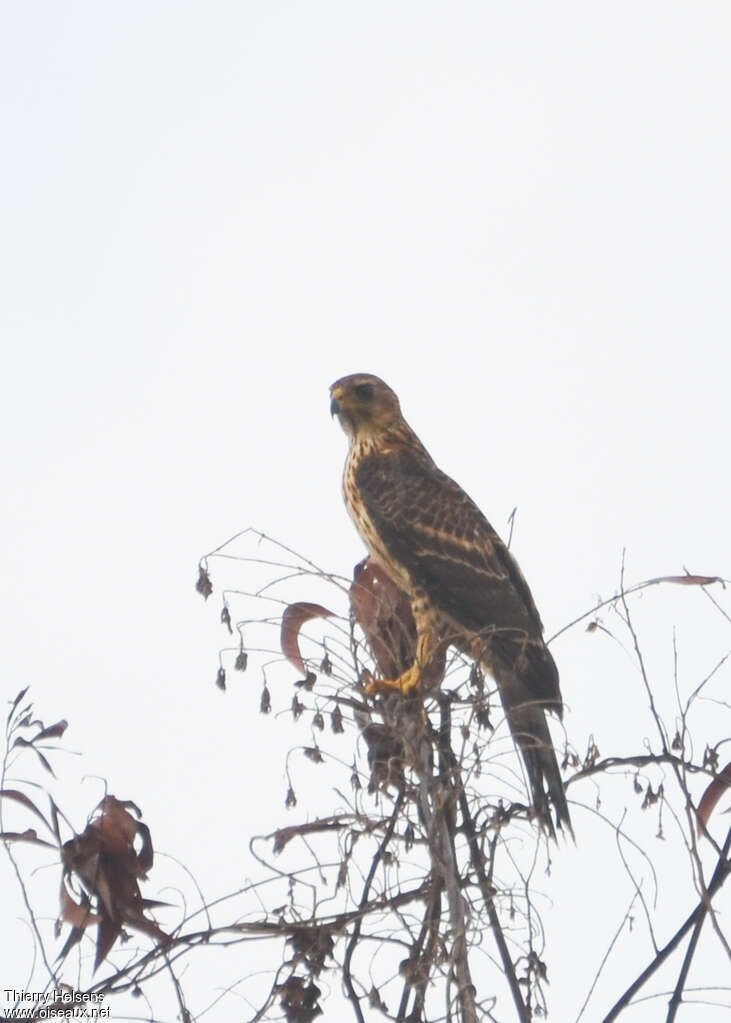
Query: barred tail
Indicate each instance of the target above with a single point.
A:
(527, 720)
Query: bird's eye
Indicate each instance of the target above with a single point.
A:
(364, 391)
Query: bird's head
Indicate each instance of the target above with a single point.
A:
(364, 404)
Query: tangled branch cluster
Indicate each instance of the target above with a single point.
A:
(417, 892)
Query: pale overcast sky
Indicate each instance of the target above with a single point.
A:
(517, 214)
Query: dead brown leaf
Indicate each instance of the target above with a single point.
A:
(203, 584)
(104, 859)
(20, 741)
(711, 796)
(52, 732)
(20, 797)
(29, 835)
(383, 612)
(689, 580)
(78, 914)
(294, 617)
(16, 701)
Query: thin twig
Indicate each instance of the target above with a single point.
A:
(477, 860)
(719, 876)
(677, 998)
(347, 977)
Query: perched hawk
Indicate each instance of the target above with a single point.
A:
(465, 586)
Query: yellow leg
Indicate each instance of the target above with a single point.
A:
(404, 684)
(426, 646)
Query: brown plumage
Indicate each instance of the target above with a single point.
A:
(464, 585)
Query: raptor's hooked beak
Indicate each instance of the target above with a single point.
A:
(335, 407)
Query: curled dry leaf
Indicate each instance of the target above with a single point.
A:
(383, 612)
(52, 732)
(386, 755)
(203, 583)
(20, 797)
(312, 946)
(298, 998)
(690, 580)
(16, 701)
(409, 837)
(710, 758)
(282, 836)
(79, 915)
(375, 1000)
(294, 617)
(652, 797)
(482, 716)
(108, 866)
(30, 744)
(342, 878)
(29, 835)
(477, 677)
(711, 796)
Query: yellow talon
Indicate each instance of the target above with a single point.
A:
(404, 684)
